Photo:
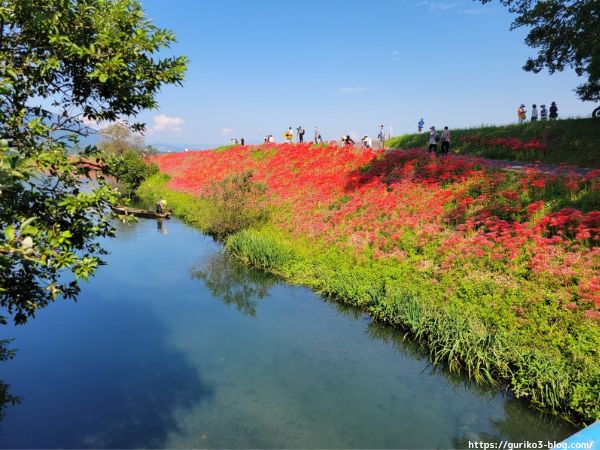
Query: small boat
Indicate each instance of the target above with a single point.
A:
(144, 213)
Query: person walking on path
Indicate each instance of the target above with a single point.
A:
(553, 111)
(445, 138)
(543, 113)
(381, 136)
(522, 113)
(433, 140)
(420, 125)
(300, 131)
(534, 113)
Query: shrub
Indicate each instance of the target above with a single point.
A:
(236, 203)
(130, 170)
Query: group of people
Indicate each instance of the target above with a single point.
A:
(542, 115)
(367, 142)
(234, 141)
(435, 138)
(288, 136)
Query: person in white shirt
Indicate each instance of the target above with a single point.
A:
(433, 140)
(534, 113)
(367, 142)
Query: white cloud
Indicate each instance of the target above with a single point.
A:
(90, 123)
(353, 89)
(438, 6)
(227, 131)
(164, 123)
(473, 11)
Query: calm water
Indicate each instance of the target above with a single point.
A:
(174, 345)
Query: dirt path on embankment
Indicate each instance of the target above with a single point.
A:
(522, 165)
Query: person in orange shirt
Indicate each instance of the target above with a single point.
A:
(522, 113)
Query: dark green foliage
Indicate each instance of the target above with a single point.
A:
(130, 169)
(566, 34)
(234, 283)
(5, 397)
(88, 59)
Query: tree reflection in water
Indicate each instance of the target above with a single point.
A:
(6, 399)
(234, 283)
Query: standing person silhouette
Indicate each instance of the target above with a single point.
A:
(522, 114)
(420, 125)
(381, 136)
(318, 138)
(433, 140)
(445, 138)
(553, 111)
(300, 132)
(289, 136)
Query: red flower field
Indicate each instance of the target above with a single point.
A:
(459, 213)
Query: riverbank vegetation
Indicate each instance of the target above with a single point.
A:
(496, 272)
(570, 141)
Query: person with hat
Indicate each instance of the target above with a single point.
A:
(543, 113)
(161, 206)
(522, 113)
(553, 111)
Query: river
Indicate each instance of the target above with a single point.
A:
(173, 345)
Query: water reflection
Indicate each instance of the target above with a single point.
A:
(234, 283)
(149, 359)
(6, 398)
(119, 384)
(161, 226)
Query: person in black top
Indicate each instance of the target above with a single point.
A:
(553, 111)
(300, 132)
(347, 140)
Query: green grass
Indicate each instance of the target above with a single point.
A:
(495, 329)
(569, 141)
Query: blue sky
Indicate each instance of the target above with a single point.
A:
(346, 66)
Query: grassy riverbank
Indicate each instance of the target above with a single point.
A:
(495, 272)
(569, 141)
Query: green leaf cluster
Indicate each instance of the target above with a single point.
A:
(63, 63)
